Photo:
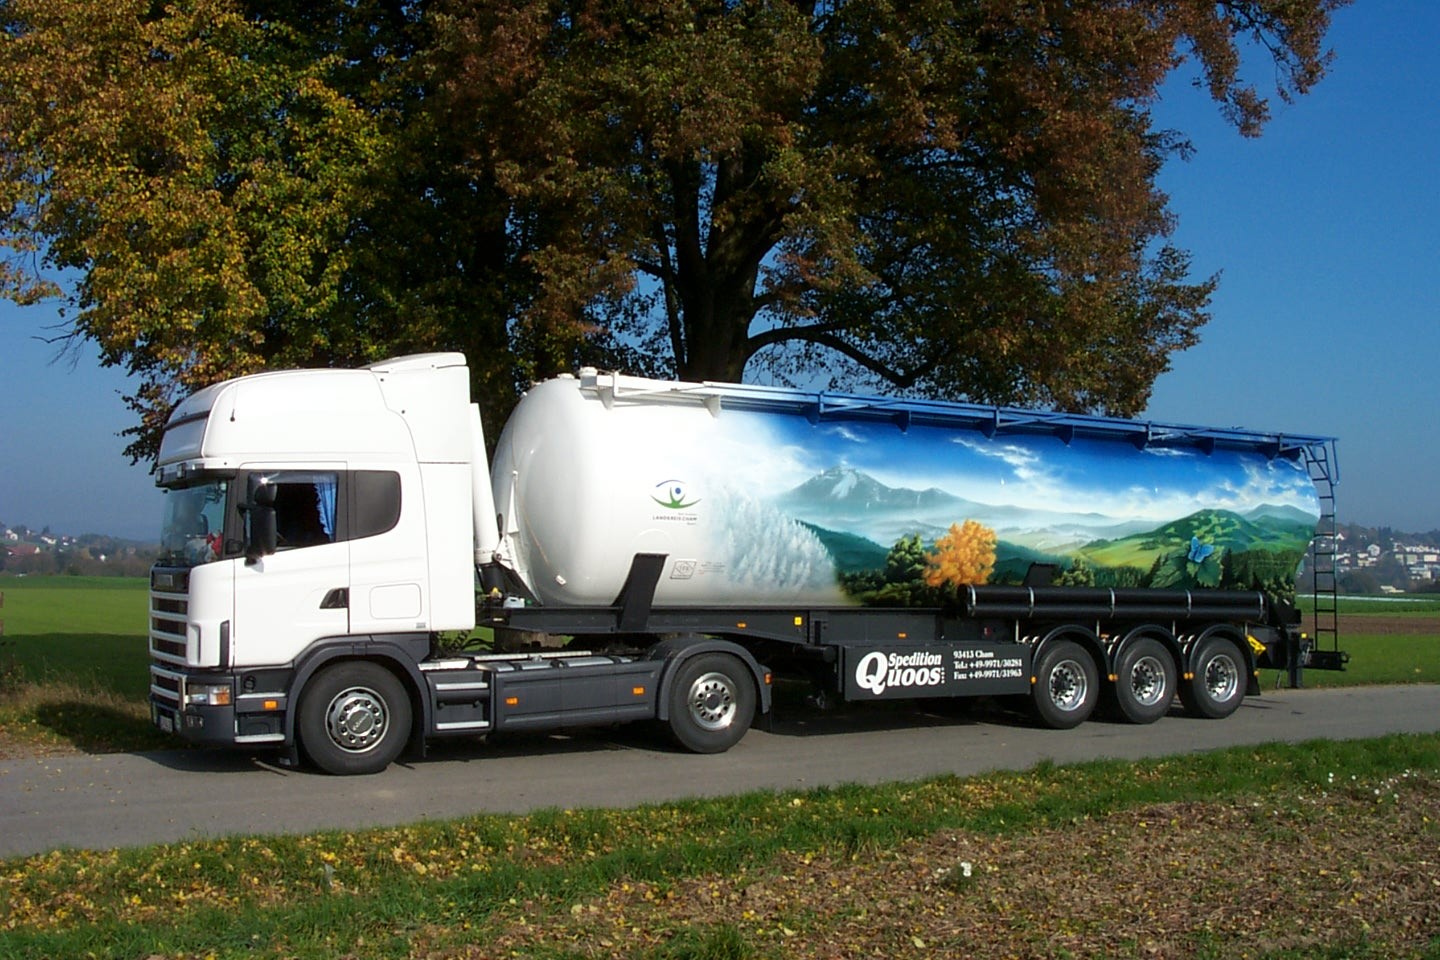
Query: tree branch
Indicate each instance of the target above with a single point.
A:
(822, 334)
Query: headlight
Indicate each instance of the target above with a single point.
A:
(208, 694)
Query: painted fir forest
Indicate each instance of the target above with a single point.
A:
(920, 573)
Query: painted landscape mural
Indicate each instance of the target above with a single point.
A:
(906, 518)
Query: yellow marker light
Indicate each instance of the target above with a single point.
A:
(638, 691)
(903, 636)
(272, 704)
(512, 701)
(768, 679)
(799, 621)
(742, 624)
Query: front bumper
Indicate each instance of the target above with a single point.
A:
(249, 718)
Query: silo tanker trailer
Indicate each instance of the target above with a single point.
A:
(667, 549)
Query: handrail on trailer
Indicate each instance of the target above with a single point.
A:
(992, 420)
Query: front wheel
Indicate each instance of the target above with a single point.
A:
(711, 701)
(354, 718)
(1067, 684)
(1217, 685)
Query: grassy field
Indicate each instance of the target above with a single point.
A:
(74, 669)
(1389, 641)
(1279, 852)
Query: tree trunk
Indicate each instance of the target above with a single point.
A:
(715, 281)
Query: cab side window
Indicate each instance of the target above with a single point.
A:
(375, 502)
(304, 509)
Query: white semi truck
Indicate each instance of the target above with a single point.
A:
(328, 532)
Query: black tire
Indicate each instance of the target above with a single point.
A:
(712, 701)
(1217, 682)
(354, 718)
(1145, 681)
(1067, 686)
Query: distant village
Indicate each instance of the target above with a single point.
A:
(24, 551)
(1368, 560)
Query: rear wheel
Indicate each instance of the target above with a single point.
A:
(711, 701)
(1218, 683)
(354, 718)
(1067, 684)
(1145, 681)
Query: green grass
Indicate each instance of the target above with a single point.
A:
(74, 663)
(1409, 652)
(437, 889)
(1382, 658)
(1402, 605)
(80, 630)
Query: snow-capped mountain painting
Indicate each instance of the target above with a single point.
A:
(847, 499)
(862, 487)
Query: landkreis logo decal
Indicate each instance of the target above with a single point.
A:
(672, 495)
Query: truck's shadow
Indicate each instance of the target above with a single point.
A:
(96, 727)
(789, 719)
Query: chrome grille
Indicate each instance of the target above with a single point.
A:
(169, 605)
(165, 687)
(167, 649)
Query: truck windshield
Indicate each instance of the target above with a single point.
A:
(193, 532)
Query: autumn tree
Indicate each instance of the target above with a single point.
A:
(954, 196)
(239, 186)
(964, 555)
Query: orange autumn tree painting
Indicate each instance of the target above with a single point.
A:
(964, 555)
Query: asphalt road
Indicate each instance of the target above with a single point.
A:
(118, 800)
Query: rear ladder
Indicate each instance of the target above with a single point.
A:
(1325, 653)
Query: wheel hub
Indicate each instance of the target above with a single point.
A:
(1068, 686)
(712, 701)
(1221, 678)
(1147, 681)
(356, 719)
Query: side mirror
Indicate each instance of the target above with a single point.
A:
(260, 505)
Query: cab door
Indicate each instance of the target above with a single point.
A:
(299, 594)
(390, 571)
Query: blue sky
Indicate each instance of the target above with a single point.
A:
(1326, 232)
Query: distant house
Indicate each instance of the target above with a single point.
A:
(23, 550)
(11, 535)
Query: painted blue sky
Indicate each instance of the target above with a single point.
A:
(1106, 478)
(1325, 230)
